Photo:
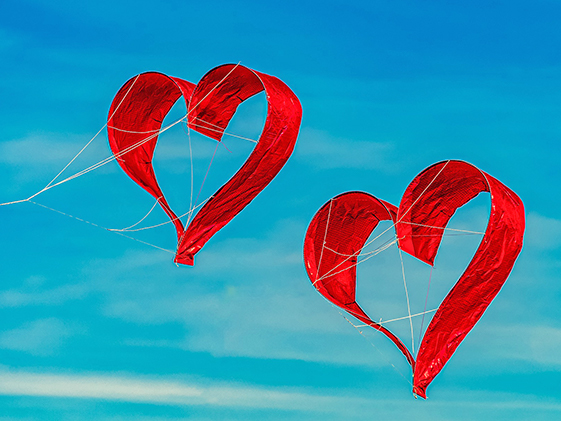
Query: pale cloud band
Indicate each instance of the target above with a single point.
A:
(181, 393)
(140, 390)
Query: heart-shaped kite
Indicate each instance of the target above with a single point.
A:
(135, 120)
(341, 227)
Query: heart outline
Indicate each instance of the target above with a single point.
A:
(420, 236)
(153, 94)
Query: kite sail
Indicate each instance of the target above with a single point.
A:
(135, 121)
(425, 209)
(334, 239)
(340, 229)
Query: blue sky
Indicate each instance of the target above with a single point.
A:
(97, 326)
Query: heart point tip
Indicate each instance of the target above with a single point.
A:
(185, 260)
(419, 392)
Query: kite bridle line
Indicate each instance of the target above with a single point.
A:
(191, 208)
(191, 154)
(393, 224)
(154, 133)
(99, 226)
(383, 247)
(92, 139)
(397, 319)
(426, 301)
(76, 156)
(118, 155)
(218, 129)
(199, 193)
(328, 273)
(407, 299)
(162, 223)
(324, 238)
(370, 254)
(386, 359)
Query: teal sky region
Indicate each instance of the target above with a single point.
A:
(94, 325)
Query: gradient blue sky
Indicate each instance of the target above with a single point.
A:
(96, 326)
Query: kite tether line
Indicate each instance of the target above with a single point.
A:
(116, 156)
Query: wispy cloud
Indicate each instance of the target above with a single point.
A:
(256, 300)
(204, 392)
(543, 233)
(537, 345)
(328, 152)
(40, 337)
(38, 157)
(43, 149)
(170, 392)
(36, 296)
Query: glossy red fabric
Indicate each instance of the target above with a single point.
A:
(212, 108)
(341, 227)
(426, 207)
(137, 113)
(335, 237)
(135, 117)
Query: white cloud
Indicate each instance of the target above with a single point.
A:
(205, 392)
(535, 345)
(131, 389)
(545, 343)
(40, 337)
(327, 152)
(55, 296)
(46, 149)
(256, 300)
(542, 232)
(38, 157)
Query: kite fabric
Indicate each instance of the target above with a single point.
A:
(425, 209)
(218, 102)
(339, 230)
(135, 120)
(136, 117)
(334, 240)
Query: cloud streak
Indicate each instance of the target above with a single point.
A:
(40, 337)
(543, 233)
(328, 152)
(204, 392)
(142, 390)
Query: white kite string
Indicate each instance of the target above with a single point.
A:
(425, 308)
(120, 153)
(384, 322)
(191, 153)
(408, 305)
(99, 226)
(143, 218)
(100, 130)
(394, 224)
(95, 166)
(219, 129)
(155, 133)
(163, 223)
(374, 253)
(324, 237)
(400, 255)
(442, 228)
(374, 346)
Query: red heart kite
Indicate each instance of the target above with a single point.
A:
(136, 117)
(341, 227)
